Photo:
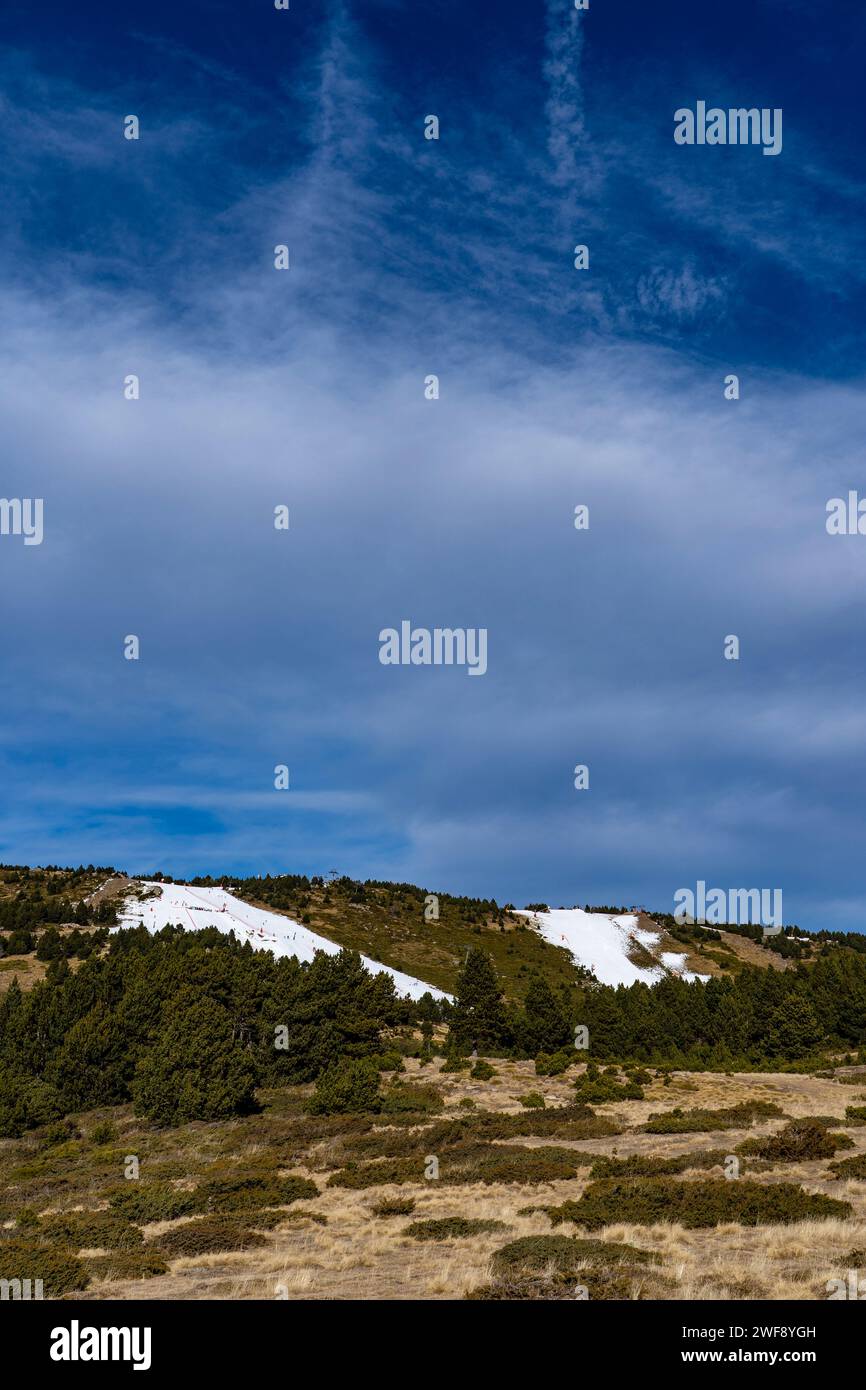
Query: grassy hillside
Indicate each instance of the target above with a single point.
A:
(389, 922)
(527, 1201)
(386, 921)
(41, 907)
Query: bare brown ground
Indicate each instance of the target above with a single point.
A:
(359, 1256)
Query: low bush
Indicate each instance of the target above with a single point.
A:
(359, 1176)
(350, 1086)
(553, 1063)
(482, 1071)
(702, 1203)
(259, 1219)
(645, 1166)
(58, 1133)
(855, 1114)
(495, 1163)
(290, 1218)
(467, 1163)
(454, 1062)
(155, 1201)
(394, 1206)
(800, 1141)
(599, 1089)
(532, 1254)
(59, 1269)
(853, 1167)
(103, 1133)
(209, 1235)
(145, 1263)
(562, 1122)
(451, 1228)
(534, 1100)
(389, 1061)
(405, 1098)
(694, 1121)
(246, 1192)
(88, 1230)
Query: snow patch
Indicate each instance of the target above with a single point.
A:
(675, 961)
(197, 908)
(602, 944)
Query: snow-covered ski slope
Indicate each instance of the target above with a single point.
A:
(602, 944)
(196, 908)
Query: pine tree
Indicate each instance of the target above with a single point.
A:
(348, 1087)
(196, 1070)
(479, 1018)
(542, 1026)
(93, 1066)
(792, 1029)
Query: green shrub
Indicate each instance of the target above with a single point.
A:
(209, 1235)
(394, 1206)
(605, 1088)
(482, 1071)
(531, 1254)
(495, 1163)
(392, 1170)
(702, 1203)
(533, 1100)
(454, 1062)
(855, 1114)
(645, 1166)
(389, 1061)
(561, 1122)
(694, 1121)
(350, 1086)
(87, 1230)
(853, 1167)
(26, 1218)
(145, 1263)
(553, 1063)
(261, 1218)
(800, 1141)
(103, 1133)
(61, 1272)
(244, 1192)
(451, 1228)
(466, 1163)
(155, 1201)
(405, 1098)
(288, 1218)
(58, 1133)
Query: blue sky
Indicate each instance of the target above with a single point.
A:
(558, 387)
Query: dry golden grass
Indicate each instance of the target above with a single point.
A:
(358, 1255)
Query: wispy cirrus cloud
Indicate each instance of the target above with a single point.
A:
(258, 648)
